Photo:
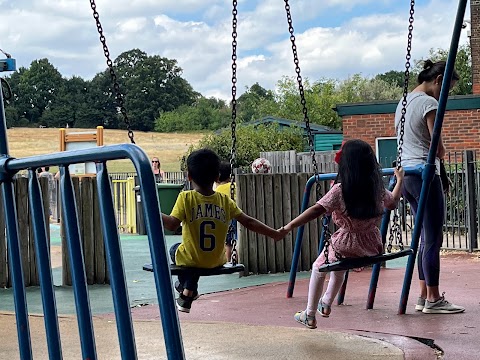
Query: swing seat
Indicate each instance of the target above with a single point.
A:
(353, 263)
(221, 270)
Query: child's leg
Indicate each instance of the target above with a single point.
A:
(228, 251)
(315, 289)
(190, 284)
(334, 284)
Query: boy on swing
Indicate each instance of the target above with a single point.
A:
(206, 216)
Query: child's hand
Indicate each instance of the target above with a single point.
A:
(399, 174)
(283, 231)
(279, 235)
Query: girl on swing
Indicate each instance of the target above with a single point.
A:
(356, 203)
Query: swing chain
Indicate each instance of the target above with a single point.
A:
(326, 240)
(233, 153)
(302, 96)
(395, 233)
(327, 236)
(395, 229)
(408, 57)
(118, 94)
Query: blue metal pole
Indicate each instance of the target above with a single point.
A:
(43, 265)
(299, 239)
(16, 271)
(116, 269)
(75, 252)
(376, 267)
(160, 259)
(429, 171)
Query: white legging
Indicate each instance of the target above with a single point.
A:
(316, 287)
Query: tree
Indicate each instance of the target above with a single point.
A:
(393, 77)
(72, 107)
(251, 140)
(152, 84)
(37, 89)
(323, 95)
(251, 104)
(205, 114)
(463, 65)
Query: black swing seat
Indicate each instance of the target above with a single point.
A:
(221, 270)
(353, 263)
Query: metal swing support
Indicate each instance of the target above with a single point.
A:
(427, 173)
(429, 170)
(305, 203)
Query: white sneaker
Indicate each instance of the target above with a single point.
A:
(441, 306)
(420, 304)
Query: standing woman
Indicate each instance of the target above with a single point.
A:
(421, 109)
(157, 171)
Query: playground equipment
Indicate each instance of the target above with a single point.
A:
(8, 168)
(427, 172)
(76, 140)
(172, 335)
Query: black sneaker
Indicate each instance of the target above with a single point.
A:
(184, 303)
(179, 289)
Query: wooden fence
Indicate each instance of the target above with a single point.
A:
(274, 199)
(91, 234)
(291, 161)
(25, 234)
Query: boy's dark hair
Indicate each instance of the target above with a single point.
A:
(203, 166)
(431, 70)
(225, 170)
(361, 179)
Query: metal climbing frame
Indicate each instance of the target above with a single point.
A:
(8, 168)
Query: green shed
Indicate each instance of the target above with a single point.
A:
(325, 138)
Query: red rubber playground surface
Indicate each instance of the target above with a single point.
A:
(418, 335)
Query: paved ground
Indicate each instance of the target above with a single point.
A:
(250, 317)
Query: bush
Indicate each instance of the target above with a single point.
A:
(251, 140)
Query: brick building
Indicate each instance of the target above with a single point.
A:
(374, 122)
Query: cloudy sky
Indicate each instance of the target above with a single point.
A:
(336, 38)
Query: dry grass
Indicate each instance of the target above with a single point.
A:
(167, 147)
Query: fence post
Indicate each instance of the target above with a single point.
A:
(471, 204)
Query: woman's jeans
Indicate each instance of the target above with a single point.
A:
(432, 229)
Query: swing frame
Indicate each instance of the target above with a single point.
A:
(427, 173)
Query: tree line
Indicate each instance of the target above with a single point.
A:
(158, 98)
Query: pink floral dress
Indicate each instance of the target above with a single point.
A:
(354, 237)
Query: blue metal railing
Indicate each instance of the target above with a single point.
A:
(168, 313)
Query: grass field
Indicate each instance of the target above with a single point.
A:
(168, 147)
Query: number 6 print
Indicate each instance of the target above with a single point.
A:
(207, 239)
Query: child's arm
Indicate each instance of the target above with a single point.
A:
(311, 213)
(170, 222)
(397, 190)
(259, 227)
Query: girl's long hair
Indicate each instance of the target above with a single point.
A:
(361, 179)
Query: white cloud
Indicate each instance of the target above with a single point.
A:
(198, 35)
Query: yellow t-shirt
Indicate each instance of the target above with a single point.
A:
(205, 225)
(225, 189)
